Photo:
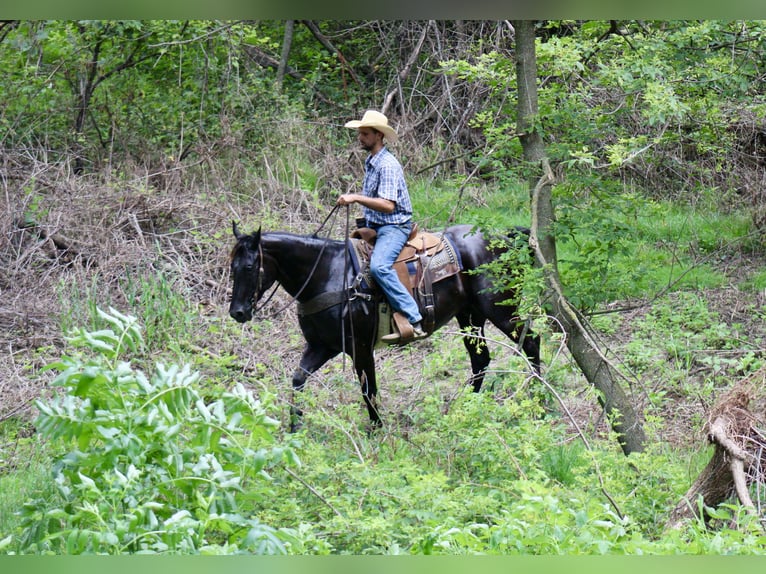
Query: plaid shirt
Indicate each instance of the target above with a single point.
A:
(384, 177)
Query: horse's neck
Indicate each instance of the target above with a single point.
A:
(302, 262)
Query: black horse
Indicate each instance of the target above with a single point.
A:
(309, 266)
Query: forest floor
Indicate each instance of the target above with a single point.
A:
(89, 237)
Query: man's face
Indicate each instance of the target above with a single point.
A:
(369, 138)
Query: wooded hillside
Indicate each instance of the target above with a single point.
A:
(129, 147)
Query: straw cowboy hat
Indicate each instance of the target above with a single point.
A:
(375, 120)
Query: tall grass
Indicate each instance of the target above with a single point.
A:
(640, 248)
(610, 248)
(25, 473)
(159, 299)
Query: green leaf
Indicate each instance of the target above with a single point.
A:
(87, 481)
(108, 433)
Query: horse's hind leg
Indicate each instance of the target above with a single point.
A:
(475, 344)
(518, 331)
(530, 344)
(314, 356)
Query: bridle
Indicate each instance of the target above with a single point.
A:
(255, 299)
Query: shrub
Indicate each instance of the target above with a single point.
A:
(152, 466)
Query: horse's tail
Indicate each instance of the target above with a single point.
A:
(519, 230)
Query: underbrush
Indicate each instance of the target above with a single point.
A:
(502, 471)
(150, 465)
(171, 463)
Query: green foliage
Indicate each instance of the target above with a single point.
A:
(691, 353)
(647, 84)
(755, 283)
(169, 462)
(513, 271)
(161, 302)
(24, 471)
(617, 245)
(488, 476)
(153, 466)
(188, 74)
(643, 110)
(164, 308)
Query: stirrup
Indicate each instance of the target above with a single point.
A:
(418, 334)
(391, 338)
(412, 334)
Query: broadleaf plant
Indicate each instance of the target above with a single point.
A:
(153, 465)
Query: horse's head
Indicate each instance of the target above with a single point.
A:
(248, 274)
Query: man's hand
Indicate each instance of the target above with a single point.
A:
(375, 203)
(347, 199)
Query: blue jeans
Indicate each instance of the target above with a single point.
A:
(388, 245)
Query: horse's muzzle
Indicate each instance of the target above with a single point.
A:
(241, 313)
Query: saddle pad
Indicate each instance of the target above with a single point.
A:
(444, 263)
(430, 242)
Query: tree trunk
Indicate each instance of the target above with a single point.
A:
(584, 349)
(286, 45)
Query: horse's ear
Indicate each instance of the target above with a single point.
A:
(257, 236)
(235, 229)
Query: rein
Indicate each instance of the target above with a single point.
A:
(263, 303)
(345, 296)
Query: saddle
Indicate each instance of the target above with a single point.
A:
(425, 259)
(416, 241)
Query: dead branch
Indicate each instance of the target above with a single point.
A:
(63, 246)
(405, 72)
(325, 41)
(733, 428)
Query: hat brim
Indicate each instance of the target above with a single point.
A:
(387, 131)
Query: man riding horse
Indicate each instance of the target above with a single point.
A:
(388, 210)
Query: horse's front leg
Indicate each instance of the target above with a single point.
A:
(364, 363)
(314, 356)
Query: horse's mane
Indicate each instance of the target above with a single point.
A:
(238, 246)
(245, 239)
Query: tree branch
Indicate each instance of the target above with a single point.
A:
(738, 456)
(325, 41)
(405, 72)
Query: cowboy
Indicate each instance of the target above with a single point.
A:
(388, 210)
